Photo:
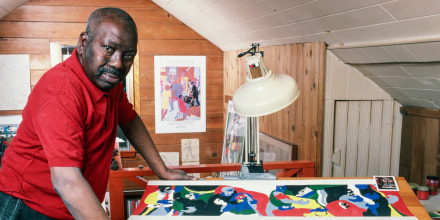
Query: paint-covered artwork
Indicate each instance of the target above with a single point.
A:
(306, 198)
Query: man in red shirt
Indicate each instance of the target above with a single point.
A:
(57, 165)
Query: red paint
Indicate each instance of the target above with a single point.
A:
(423, 193)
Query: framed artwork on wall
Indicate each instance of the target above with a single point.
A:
(180, 94)
(16, 81)
(8, 129)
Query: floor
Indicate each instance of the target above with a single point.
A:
(432, 204)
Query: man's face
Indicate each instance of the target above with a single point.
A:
(108, 56)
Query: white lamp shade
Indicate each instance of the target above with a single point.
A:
(265, 95)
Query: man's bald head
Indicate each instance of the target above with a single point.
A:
(115, 14)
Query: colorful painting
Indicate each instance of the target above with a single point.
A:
(180, 100)
(305, 198)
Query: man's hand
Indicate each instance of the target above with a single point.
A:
(177, 175)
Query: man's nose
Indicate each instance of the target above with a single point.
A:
(116, 60)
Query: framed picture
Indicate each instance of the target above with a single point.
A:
(386, 183)
(180, 94)
(16, 80)
(8, 129)
(9, 125)
(122, 140)
(233, 143)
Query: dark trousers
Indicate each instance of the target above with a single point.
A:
(12, 208)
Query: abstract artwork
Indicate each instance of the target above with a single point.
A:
(298, 198)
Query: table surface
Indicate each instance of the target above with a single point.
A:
(405, 191)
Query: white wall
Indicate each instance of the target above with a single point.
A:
(344, 82)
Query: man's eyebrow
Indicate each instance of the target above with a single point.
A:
(112, 43)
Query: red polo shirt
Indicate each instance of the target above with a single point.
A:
(67, 122)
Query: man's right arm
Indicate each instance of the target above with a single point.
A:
(76, 193)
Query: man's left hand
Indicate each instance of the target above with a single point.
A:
(177, 175)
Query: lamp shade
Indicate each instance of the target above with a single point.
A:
(265, 95)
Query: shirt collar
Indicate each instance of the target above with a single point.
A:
(73, 63)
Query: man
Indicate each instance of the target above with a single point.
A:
(195, 94)
(57, 165)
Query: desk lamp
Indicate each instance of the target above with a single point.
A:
(262, 94)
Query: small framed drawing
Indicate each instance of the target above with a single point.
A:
(180, 94)
(8, 129)
(386, 183)
(122, 140)
(9, 125)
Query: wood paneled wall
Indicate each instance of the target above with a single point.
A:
(420, 148)
(30, 29)
(302, 122)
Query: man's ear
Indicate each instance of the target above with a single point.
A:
(82, 41)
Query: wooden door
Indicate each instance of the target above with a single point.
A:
(420, 155)
(364, 143)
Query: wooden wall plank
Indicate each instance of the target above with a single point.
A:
(340, 145)
(68, 29)
(405, 150)
(35, 76)
(319, 70)
(375, 131)
(419, 111)
(328, 138)
(386, 137)
(41, 29)
(39, 61)
(165, 32)
(98, 3)
(364, 138)
(212, 135)
(308, 103)
(417, 150)
(24, 46)
(74, 13)
(351, 156)
(396, 140)
(432, 146)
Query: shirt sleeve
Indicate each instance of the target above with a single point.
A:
(58, 123)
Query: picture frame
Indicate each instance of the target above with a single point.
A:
(9, 125)
(122, 140)
(234, 138)
(386, 183)
(180, 94)
(8, 129)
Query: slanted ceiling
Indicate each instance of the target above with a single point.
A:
(7, 6)
(395, 43)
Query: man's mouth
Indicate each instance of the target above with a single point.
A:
(111, 78)
(109, 75)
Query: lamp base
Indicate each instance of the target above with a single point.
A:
(252, 171)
